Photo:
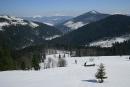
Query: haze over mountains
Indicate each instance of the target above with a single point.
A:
(51, 20)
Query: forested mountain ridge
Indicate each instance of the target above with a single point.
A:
(19, 33)
(81, 20)
(110, 27)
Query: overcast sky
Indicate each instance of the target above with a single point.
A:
(61, 7)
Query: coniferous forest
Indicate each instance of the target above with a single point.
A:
(30, 57)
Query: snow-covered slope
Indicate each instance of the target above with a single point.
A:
(3, 24)
(32, 24)
(52, 37)
(48, 24)
(74, 25)
(10, 20)
(21, 33)
(110, 42)
(74, 75)
(81, 20)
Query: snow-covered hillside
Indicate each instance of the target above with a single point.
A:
(74, 25)
(52, 37)
(48, 24)
(10, 20)
(110, 42)
(74, 75)
(81, 20)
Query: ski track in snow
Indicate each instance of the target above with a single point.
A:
(74, 75)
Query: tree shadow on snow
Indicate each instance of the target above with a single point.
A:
(91, 81)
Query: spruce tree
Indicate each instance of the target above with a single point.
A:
(6, 61)
(100, 75)
(23, 67)
(59, 56)
(64, 55)
(35, 63)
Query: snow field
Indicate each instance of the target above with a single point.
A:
(74, 75)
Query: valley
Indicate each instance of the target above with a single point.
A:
(64, 43)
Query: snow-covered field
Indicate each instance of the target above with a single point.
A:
(74, 75)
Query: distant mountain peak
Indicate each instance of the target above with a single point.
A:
(93, 12)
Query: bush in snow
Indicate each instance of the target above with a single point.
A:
(100, 75)
(50, 62)
(61, 62)
(47, 63)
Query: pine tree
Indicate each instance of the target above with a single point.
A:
(64, 55)
(100, 75)
(59, 56)
(6, 61)
(35, 63)
(23, 67)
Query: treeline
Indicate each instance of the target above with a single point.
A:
(6, 60)
(112, 26)
(116, 49)
(121, 48)
(24, 59)
(30, 57)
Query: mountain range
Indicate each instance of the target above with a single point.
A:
(24, 43)
(50, 20)
(108, 28)
(90, 29)
(81, 20)
(18, 33)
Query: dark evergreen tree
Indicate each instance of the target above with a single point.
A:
(100, 75)
(6, 61)
(23, 67)
(59, 56)
(35, 62)
(64, 55)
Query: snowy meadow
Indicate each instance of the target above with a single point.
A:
(73, 75)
